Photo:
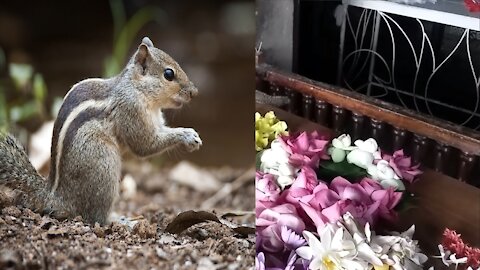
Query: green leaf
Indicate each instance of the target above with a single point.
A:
(24, 112)
(128, 32)
(20, 74)
(39, 88)
(118, 15)
(258, 161)
(329, 170)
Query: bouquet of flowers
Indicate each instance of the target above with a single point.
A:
(319, 201)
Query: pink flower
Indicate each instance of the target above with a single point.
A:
(305, 148)
(266, 189)
(388, 199)
(269, 226)
(402, 165)
(302, 186)
(366, 201)
(306, 179)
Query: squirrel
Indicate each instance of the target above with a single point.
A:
(99, 120)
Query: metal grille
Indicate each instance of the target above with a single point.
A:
(407, 61)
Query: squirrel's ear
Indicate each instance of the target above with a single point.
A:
(147, 42)
(141, 55)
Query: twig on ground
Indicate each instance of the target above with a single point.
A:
(228, 188)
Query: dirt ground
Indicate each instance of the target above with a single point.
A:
(141, 241)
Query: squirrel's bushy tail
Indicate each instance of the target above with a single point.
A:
(18, 173)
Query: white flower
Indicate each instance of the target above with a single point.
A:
(360, 158)
(385, 175)
(400, 251)
(339, 148)
(332, 251)
(275, 155)
(364, 155)
(362, 240)
(343, 245)
(370, 145)
(275, 161)
(449, 258)
(284, 181)
(343, 142)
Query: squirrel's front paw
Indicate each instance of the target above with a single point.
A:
(191, 140)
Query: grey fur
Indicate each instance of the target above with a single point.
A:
(266, 99)
(125, 113)
(147, 41)
(17, 172)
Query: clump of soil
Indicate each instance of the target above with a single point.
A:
(139, 241)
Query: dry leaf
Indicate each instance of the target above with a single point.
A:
(189, 218)
(244, 230)
(237, 214)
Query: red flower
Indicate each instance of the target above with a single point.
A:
(452, 242)
(472, 5)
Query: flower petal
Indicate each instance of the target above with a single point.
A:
(393, 183)
(305, 252)
(338, 155)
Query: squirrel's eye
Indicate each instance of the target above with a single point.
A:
(169, 74)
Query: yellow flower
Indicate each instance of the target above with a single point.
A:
(381, 267)
(267, 128)
(260, 141)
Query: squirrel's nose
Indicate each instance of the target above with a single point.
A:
(193, 91)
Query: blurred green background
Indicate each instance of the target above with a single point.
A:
(46, 48)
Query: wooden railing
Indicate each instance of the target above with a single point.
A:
(442, 146)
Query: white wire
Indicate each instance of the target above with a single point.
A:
(364, 65)
(372, 52)
(364, 22)
(424, 36)
(436, 69)
(355, 38)
(384, 16)
(474, 78)
(406, 36)
(351, 28)
(380, 81)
